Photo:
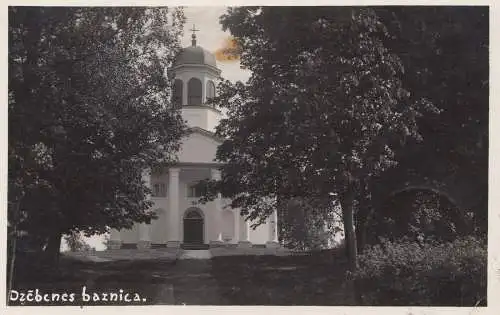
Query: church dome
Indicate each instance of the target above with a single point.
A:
(195, 55)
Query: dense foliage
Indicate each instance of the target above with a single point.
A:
(412, 273)
(420, 215)
(305, 225)
(76, 243)
(88, 112)
(445, 53)
(319, 115)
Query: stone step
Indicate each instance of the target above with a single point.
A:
(195, 254)
(194, 246)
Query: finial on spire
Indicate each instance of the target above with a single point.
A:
(193, 41)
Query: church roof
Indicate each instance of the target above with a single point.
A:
(195, 55)
(206, 133)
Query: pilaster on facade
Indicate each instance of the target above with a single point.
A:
(273, 231)
(115, 241)
(236, 223)
(144, 236)
(173, 214)
(217, 211)
(244, 241)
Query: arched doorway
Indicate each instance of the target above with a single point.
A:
(193, 226)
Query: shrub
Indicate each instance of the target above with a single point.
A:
(411, 273)
(76, 243)
(307, 224)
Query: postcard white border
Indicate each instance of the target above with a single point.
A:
(494, 204)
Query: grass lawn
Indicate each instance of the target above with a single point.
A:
(146, 277)
(316, 279)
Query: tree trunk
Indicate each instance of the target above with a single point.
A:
(14, 248)
(350, 241)
(12, 261)
(53, 248)
(349, 230)
(362, 217)
(361, 235)
(362, 221)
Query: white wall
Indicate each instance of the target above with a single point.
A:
(213, 119)
(228, 228)
(198, 148)
(130, 236)
(159, 228)
(260, 235)
(201, 116)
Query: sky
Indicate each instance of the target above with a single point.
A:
(211, 37)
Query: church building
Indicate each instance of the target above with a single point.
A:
(182, 221)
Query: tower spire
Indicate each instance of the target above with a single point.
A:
(193, 37)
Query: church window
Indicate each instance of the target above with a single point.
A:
(194, 91)
(210, 90)
(194, 191)
(177, 95)
(159, 190)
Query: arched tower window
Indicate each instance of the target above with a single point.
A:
(177, 95)
(194, 91)
(210, 90)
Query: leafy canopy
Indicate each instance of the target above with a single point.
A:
(323, 110)
(88, 112)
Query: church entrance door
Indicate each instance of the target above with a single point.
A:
(193, 227)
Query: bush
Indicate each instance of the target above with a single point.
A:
(307, 224)
(76, 243)
(410, 273)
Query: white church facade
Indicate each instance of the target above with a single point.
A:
(182, 220)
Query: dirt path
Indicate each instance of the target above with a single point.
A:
(189, 282)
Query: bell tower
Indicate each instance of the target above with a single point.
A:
(196, 73)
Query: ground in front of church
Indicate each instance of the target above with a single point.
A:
(224, 279)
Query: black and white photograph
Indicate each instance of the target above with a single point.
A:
(248, 156)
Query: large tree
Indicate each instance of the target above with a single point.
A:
(445, 52)
(89, 111)
(323, 110)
